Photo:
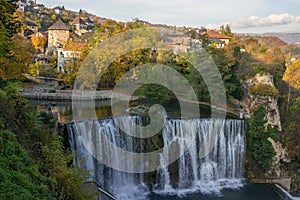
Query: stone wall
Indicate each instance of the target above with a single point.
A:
(44, 94)
(56, 38)
(66, 95)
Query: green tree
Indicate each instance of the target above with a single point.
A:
(68, 180)
(260, 147)
(19, 175)
(226, 30)
(291, 130)
(34, 132)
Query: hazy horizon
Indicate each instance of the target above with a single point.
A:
(257, 16)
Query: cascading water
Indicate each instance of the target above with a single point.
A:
(202, 168)
(213, 161)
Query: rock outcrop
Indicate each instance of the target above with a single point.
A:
(281, 156)
(251, 102)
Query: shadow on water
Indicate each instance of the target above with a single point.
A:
(248, 192)
(103, 109)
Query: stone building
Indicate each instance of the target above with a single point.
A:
(58, 36)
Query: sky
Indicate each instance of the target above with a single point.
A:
(244, 16)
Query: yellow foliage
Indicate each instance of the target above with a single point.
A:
(38, 41)
(292, 74)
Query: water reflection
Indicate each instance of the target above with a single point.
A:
(102, 109)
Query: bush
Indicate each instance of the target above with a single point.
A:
(261, 89)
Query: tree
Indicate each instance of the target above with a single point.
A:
(226, 30)
(9, 25)
(9, 20)
(80, 13)
(19, 175)
(291, 126)
(18, 59)
(261, 148)
(292, 74)
(39, 41)
(20, 178)
(292, 77)
(68, 179)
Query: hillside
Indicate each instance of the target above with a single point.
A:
(290, 38)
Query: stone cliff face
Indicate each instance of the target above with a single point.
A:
(281, 156)
(251, 102)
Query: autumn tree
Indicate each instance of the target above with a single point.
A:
(39, 41)
(20, 56)
(292, 77)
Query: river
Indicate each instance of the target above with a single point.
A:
(242, 191)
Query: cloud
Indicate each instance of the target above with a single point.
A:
(271, 20)
(215, 26)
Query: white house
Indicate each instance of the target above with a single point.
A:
(21, 5)
(58, 10)
(68, 55)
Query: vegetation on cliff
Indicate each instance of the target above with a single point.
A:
(261, 150)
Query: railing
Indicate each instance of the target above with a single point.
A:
(101, 189)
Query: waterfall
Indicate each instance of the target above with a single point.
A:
(213, 161)
(218, 168)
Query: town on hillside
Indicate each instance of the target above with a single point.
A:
(219, 109)
(61, 36)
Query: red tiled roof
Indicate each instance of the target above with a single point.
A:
(216, 34)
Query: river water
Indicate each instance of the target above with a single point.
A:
(248, 192)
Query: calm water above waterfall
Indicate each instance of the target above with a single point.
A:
(201, 172)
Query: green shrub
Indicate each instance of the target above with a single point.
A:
(52, 91)
(261, 89)
(263, 50)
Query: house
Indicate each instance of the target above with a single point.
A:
(21, 5)
(293, 59)
(58, 10)
(58, 36)
(39, 8)
(68, 55)
(297, 43)
(43, 15)
(79, 23)
(90, 24)
(82, 26)
(220, 39)
(31, 26)
(179, 43)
